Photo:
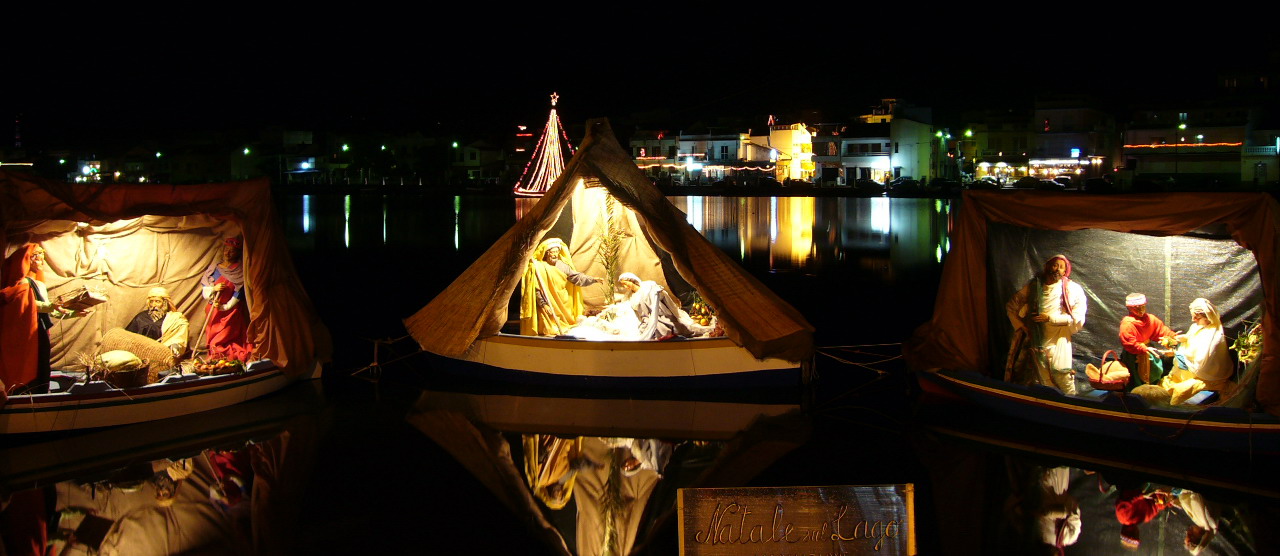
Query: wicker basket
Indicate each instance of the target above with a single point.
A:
(158, 356)
(1108, 376)
(128, 378)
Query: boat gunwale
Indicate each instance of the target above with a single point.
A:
(139, 395)
(720, 342)
(1100, 409)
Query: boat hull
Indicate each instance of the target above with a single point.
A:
(67, 411)
(709, 363)
(1114, 415)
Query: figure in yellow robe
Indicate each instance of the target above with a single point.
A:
(551, 291)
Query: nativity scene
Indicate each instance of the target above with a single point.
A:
(602, 278)
(122, 303)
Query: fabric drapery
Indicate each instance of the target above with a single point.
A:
(128, 238)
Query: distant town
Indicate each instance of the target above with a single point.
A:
(1227, 142)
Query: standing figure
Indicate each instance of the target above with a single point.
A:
(1137, 329)
(227, 326)
(550, 291)
(1045, 313)
(26, 315)
(160, 320)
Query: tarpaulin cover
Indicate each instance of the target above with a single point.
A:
(124, 239)
(1171, 247)
(476, 304)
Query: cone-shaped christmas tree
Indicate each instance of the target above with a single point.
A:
(548, 158)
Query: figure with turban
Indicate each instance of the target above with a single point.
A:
(1045, 313)
(160, 320)
(1137, 330)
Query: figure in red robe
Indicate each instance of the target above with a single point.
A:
(26, 316)
(227, 326)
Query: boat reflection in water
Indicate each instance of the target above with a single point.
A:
(228, 481)
(587, 473)
(1015, 492)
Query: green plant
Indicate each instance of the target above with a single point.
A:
(1249, 345)
(610, 246)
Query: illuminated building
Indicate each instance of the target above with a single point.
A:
(1201, 146)
(702, 159)
(999, 145)
(1073, 139)
(793, 147)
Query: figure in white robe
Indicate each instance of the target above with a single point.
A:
(1201, 361)
(1045, 313)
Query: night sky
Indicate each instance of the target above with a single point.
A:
(158, 79)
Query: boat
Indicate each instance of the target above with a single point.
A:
(765, 341)
(119, 240)
(1173, 246)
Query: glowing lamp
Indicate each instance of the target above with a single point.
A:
(345, 147)
(157, 154)
(246, 151)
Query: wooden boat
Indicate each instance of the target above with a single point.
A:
(122, 239)
(764, 339)
(1222, 246)
(1112, 414)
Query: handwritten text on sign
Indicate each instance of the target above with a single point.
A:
(797, 520)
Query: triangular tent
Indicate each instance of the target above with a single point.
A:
(1173, 247)
(476, 304)
(125, 238)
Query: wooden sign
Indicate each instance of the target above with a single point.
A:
(788, 521)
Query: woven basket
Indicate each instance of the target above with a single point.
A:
(128, 379)
(158, 356)
(1108, 376)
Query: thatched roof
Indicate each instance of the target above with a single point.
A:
(283, 324)
(476, 304)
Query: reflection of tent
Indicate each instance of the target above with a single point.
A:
(475, 306)
(125, 238)
(959, 335)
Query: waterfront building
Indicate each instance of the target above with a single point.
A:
(1075, 139)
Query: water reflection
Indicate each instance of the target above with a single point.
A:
(593, 479)
(222, 482)
(1112, 512)
(885, 236)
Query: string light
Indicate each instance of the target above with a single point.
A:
(1183, 145)
(548, 155)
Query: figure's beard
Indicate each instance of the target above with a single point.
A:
(156, 313)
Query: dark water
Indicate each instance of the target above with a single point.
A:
(401, 459)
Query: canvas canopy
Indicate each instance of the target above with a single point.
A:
(476, 304)
(1226, 248)
(123, 239)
